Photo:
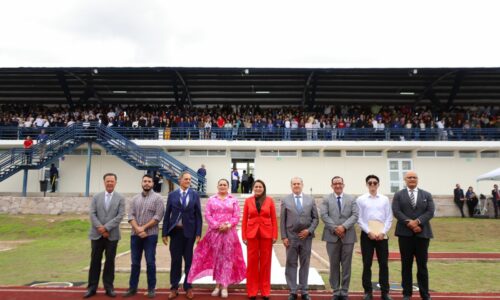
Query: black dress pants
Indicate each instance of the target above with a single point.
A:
(368, 247)
(410, 247)
(108, 276)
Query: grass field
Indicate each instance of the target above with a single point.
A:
(57, 249)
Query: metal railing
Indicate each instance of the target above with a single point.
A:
(279, 134)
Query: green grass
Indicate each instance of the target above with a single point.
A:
(59, 250)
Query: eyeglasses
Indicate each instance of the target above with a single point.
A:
(372, 183)
(412, 177)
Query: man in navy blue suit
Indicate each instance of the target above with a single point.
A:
(182, 224)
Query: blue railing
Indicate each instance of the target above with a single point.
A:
(278, 134)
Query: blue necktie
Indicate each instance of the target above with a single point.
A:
(338, 203)
(298, 204)
(184, 199)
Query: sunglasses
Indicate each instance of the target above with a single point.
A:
(372, 183)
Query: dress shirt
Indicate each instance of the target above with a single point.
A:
(144, 208)
(376, 208)
(109, 196)
(187, 195)
(415, 193)
(341, 199)
(301, 199)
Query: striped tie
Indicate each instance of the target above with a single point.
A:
(412, 199)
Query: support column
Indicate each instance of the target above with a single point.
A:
(89, 159)
(25, 182)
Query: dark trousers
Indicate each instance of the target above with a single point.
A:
(460, 205)
(496, 205)
(471, 205)
(382, 248)
(148, 246)
(181, 248)
(53, 182)
(108, 275)
(410, 247)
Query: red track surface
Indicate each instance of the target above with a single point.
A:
(27, 293)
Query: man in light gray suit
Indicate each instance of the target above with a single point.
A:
(298, 220)
(106, 212)
(339, 212)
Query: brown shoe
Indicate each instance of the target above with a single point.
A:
(173, 294)
(190, 294)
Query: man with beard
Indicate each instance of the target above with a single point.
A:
(145, 212)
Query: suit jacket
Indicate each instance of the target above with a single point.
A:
(263, 223)
(110, 218)
(329, 212)
(458, 194)
(190, 215)
(291, 222)
(403, 211)
(494, 195)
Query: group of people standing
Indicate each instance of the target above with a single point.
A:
(470, 199)
(219, 253)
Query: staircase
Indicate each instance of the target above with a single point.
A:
(66, 140)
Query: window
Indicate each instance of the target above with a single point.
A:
(435, 154)
(467, 154)
(331, 153)
(366, 153)
(242, 154)
(310, 153)
(216, 152)
(489, 154)
(397, 170)
(278, 153)
(173, 152)
(398, 154)
(84, 152)
(197, 152)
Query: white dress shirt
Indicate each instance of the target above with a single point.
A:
(374, 208)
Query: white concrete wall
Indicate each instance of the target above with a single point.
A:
(437, 175)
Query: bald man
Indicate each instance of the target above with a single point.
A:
(413, 209)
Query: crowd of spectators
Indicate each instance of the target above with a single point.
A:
(269, 118)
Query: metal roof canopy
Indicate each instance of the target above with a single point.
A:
(439, 87)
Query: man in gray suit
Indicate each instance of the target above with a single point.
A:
(106, 212)
(298, 220)
(339, 212)
(413, 208)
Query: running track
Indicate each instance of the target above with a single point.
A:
(27, 293)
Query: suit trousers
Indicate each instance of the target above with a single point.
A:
(368, 247)
(340, 256)
(259, 252)
(410, 247)
(137, 246)
(299, 250)
(180, 248)
(108, 275)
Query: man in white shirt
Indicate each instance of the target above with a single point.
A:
(375, 220)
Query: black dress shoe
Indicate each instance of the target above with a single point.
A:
(151, 293)
(130, 293)
(386, 297)
(110, 293)
(305, 297)
(89, 294)
(265, 297)
(406, 297)
(368, 296)
(252, 298)
(292, 297)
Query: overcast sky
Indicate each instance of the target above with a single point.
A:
(210, 33)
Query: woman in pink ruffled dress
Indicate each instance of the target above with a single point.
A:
(219, 253)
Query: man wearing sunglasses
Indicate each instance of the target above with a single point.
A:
(375, 220)
(413, 208)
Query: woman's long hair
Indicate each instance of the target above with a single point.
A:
(263, 196)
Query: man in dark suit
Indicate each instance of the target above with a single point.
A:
(298, 220)
(182, 223)
(495, 193)
(413, 209)
(106, 212)
(339, 212)
(459, 199)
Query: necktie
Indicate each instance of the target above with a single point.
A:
(338, 203)
(184, 199)
(298, 204)
(412, 199)
(107, 200)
